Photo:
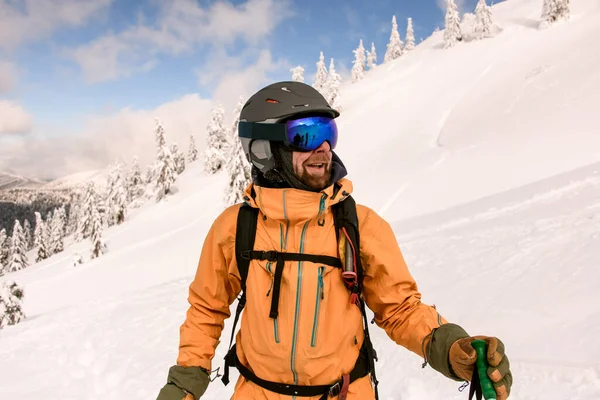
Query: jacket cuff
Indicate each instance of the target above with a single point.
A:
(193, 380)
(438, 348)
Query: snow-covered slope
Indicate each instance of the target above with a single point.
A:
(10, 181)
(484, 158)
(78, 179)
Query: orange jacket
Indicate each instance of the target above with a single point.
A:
(318, 333)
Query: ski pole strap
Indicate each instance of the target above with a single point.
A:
(339, 388)
(281, 258)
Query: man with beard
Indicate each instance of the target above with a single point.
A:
(305, 266)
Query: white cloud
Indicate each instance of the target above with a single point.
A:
(24, 20)
(181, 26)
(459, 3)
(239, 76)
(106, 138)
(14, 120)
(7, 76)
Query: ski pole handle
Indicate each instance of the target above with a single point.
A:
(487, 387)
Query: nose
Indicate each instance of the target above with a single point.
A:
(323, 148)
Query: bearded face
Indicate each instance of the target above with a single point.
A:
(313, 168)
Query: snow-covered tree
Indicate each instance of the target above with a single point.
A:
(28, 234)
(75, 212)
(18, 257)
(410, 36)
(371, 57)
(192, 150)
(11, 304)
(483, 24)
(358, 69)
(297, 74)
(87, 211)
(334, 80)
(178, 158)
(135, 186)
(321, 76)
(217, 145)
(166, 171)
(39, 238)
(238, 166)
(149, 176)
(453, 33)
(395, 45)
(48, 233)
(555, 10)
(3, 251)
(96, 234)
(57, 230)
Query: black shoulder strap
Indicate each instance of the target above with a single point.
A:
(245, 235)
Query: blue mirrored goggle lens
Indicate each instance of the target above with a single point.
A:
(309, 133)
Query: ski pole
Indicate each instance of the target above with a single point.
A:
(487, 387)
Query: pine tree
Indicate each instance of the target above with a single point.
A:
(48, 233)
(11, 304)
(165, 173)
(321, 76)
(238, 166)
(39, 238)
(553, 11)
(18, 257)
(28, 235)
(334, 80)
(135, 187)
(217, 142)
(358, 70)
(410, 36)
(178, 159)
(371, 57)
(96, 235)
(394, 47)
(57, 227)
(297, 74)
(192, 150)
(483, 24)
(3, 252)
(453, 33)
(88, 208)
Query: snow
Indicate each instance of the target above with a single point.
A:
(485, 159)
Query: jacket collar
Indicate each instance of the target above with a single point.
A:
(296, 205)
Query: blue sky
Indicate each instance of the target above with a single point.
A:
(64, 62)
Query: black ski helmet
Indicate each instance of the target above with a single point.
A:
(273, 104)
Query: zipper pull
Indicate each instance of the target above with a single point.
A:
(321, 284)
(272, 277)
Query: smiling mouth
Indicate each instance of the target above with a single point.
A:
(316, 165)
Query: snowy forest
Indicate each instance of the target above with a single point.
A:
(93, 207)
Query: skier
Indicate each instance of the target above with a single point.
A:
(304, 260)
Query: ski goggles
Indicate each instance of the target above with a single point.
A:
(302, 134)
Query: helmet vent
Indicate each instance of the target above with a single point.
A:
(286, 89)
(300, 105)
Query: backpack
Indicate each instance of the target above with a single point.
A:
(346, 223)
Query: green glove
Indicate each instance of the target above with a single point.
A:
(187, 383)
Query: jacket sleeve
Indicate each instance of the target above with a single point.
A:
(389, 289)
(213, 290)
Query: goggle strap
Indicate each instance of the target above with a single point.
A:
(260, 131)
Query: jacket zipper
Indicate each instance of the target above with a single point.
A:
(320, 296)
(297, 313)
(276, 320)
